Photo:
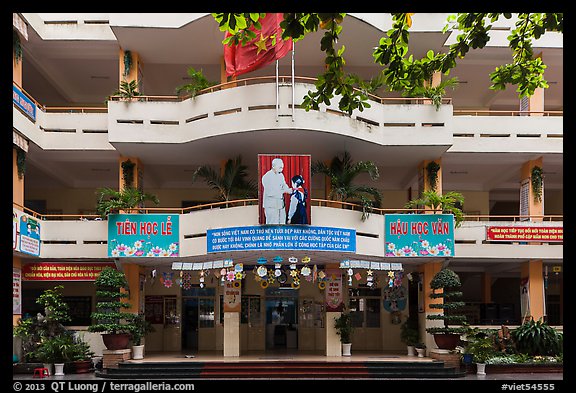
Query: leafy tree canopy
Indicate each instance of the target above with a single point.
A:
(402, 72)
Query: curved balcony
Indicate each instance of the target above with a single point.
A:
(86, 237)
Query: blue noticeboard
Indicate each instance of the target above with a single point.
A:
(281, 237)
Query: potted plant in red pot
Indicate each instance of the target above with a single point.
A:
(109, 319)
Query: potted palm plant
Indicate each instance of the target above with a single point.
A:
(445, 285)
(113, 201)
(79, 356)
(342, 171)
(447, 203)
(232, 182)
(109, 318)
(344, 329)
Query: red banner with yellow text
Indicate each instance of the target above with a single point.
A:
(49, 271)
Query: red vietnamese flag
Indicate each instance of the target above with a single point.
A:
(258, 52)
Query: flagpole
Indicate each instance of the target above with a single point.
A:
(277, 91)
(293, 81)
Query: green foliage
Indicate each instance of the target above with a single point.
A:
(448, 281)
(401, 71)
(482, 348)
(112, 201)
(128, 173)
(344, 328)
(409, 333)
(140, 327)
(197, 82)
(109, 316)
(55, 349)
(342, 172)
(232, 183)
(538, 338)
(78, 350)
(445, 203)
(20, 162)
(432, 171)
(127, 62)
(55, 309)
(128, 90)
(16, 46)
(33, 331)
(536, 180)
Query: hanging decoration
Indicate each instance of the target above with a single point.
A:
(230, 276)
(293, 260)
(321, 285)
(305, 259)
(277, 271)
(262, 271)
(315, 273)
(282, 278)
(186, 281)
(369, 278)
(264, 284)
(261, 261)
(237, 284)
(277, 259)
(167, 279)
(394, 298)
(350, 272)
(201, 279)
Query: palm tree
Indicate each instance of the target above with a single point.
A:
(127, 90)
(197, 82)
(231, 183)
(446, 203)
(111, 200)
(435, 93)
(342, 172)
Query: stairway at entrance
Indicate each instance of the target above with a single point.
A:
(281, 369)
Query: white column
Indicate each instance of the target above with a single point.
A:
(333, 345)
(231, 334)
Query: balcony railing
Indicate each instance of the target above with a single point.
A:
(313, 201)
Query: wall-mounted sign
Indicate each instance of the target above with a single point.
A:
(22, 102)
(334, 290)
(419, 235)
(25, 233)
(143, 235)
(16, 290)
(49, 271)
(232, 297)
(525, 234)
(281, 237)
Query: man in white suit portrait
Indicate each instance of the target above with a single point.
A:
(274, 185)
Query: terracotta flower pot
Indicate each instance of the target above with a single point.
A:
(116, 341)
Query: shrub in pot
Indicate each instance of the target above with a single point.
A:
(140, 327)
(109, 318)
(409, 335)
(344, 329)
(448, 335)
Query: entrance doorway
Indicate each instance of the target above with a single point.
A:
(281, 318)
(190, 324)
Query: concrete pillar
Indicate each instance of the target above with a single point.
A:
(231, 334)
(135, 73)
(132, 273)
(532, 271)
(333, 345)
(534, 206)
(428, 270)
(486, 288)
